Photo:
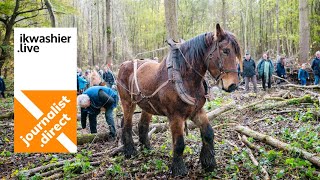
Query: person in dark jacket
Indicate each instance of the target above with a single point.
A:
(315, 65)
(2, 88)
(281, 71)
(249, 72)
(108, 76)
(303, 75)
(265, 70)
(92, 100)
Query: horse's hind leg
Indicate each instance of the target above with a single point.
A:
(207, 153)
(144, 129)
(128, 110)
(177, 128)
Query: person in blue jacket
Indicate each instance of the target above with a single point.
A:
(303, 75)
(265, 70)
(82, 83)
(92, 100)
(315, 65)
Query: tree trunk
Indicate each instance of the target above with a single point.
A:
(304, 31)
(278, 39)
(224, 11)
(90, 59)
(50, 10)
(170, 7)
(108, 31)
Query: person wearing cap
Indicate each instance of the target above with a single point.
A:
(265, 70)
(249, 73)
(92, 100)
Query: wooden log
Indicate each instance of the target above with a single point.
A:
(89, 138)
(260, 102)
(50, 173)
(244, 139)
(33, 171)
(303, 87)
(215, 113)
(255, 162)
(268, 106)
(313, 158)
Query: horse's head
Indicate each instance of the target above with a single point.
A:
(222, 59)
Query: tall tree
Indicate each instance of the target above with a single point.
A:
(170, 7)
(22, 10)
(278, 39)
(50, 10)
(304, 31)
(224, 11)
(90, 37)
(108, 31)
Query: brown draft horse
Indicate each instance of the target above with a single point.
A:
(216, 53)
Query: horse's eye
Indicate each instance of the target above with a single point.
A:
(226, 51)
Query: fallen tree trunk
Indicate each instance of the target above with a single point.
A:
(255, 162)
(261, 101)
(303, 87)
(88, 138)
(313, 158)
(304, 99)
(215, 113)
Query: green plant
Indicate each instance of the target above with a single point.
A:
(115, 170)
(160, 166)
(80, 165)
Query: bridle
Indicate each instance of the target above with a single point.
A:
(218, 62)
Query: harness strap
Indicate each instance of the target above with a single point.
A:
(158, 89)
(135, 64)
(152, 107)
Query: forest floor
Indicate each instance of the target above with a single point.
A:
(296, 123)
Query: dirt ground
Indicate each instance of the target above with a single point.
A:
(292, 123)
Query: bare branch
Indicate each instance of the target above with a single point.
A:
(31, 10)
(26, 18)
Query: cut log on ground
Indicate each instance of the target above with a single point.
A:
(213, 114)
(268, 106)
(304, 87)
(313, 158)
(244, 139)
(88, 138)
(277, 77)
(260, 102)
(255, 162)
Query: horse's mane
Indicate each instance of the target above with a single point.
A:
(194, 49)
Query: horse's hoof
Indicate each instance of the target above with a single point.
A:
(207, 159)
(129, 152)
(178, 168)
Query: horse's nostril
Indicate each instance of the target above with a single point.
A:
(232, 87)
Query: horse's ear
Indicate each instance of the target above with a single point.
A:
(219, 32)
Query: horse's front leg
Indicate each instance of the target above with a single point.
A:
(128, 109)
(207, 153)
(144, 129)
(177, 127)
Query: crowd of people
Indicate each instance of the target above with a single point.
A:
(96, 91)
(265, 69)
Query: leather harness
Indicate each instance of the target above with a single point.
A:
(174, 74)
